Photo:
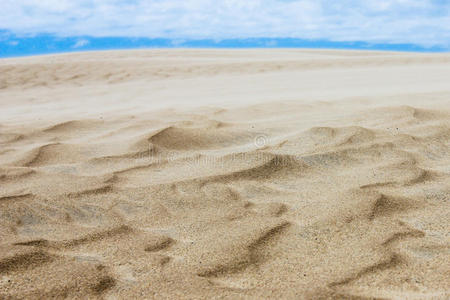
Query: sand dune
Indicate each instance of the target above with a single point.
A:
(253, 174)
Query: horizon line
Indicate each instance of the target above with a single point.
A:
(46, 44)
(214, 48)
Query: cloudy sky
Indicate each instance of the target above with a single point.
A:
(421, 22)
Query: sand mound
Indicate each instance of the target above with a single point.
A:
(112, 186)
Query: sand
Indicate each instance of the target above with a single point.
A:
(243, 174)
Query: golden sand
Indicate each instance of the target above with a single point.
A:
(245, 174)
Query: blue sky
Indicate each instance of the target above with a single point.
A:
(41, 26)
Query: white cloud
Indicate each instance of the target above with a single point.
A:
(80, 43)
(425, 22)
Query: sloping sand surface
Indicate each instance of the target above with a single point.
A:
(246, 174)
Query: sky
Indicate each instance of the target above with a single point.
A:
(417, 24)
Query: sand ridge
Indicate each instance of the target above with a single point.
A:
(343, 196)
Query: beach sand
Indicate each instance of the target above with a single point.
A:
(242, 174)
